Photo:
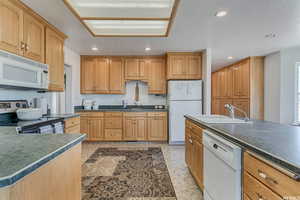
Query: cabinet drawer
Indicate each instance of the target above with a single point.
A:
(113, 114)
(188, 124)
(157, 114)
(73, 129)
(113, 134)
(91, 114)
(113, 122)
(271, 177)
(256, 190)
(72, 122)
(135, 114)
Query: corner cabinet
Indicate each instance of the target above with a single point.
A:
(184, 66)
(194, 151)
(55, 60)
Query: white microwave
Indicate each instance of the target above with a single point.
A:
(16, 71)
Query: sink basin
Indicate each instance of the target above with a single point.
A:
(220, 119)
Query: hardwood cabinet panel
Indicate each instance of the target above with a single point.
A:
(130, 130)
(215, 85)
(72, 122)
(55, 60)
(34, 38)
(132, 69)
(215, 106)
(113, 123)
(157, 129)
(73, 129)
(116, 76)
(243, 104)
(245, 197)
(241, 80)
(157, 76)
(87, 74)
(197, 162)
(194, 67)
(113, 134)
(96, 129)
(141, 129)
(11, 27)
(102, 76)
(177, 67)
(256, 190)
(143, 69)
(84, 126)
(188, 147)
(222, 110)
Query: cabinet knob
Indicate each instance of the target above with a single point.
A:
(22, 46)
(26, 47)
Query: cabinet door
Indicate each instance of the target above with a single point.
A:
(87, 74)
(245, 80)
(223, 83)
(132, 69)
(96, 129)
(116, 76)
(34, 38)
(229, 82)
(55, 60)
(157, 76)
(215, 106)
(157, 129)
(177, 67)
(194, 70)
(222, 109)
(101, 76)
(84, 126)
(188, 147)
(237, 80)
(243, 104)
(129, 129)
(11, 27)
(197, 162)
(143, 69)
(141, 129)
(214, 84)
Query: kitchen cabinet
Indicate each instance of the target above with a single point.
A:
(157, 76)
(184, 66)
(55, 60)
(135, 127)
(157, 127)
(194, 151)
(34, 38)
(92, 124)
(136, 69)
(222, 109)
(101, 75)
(72, 125)
(264, 179)
(113, 126)
(242, 84)
(11, 27)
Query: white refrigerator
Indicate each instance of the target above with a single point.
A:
(184, 98)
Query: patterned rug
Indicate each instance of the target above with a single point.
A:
(127, 174)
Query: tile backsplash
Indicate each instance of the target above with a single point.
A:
(145, 98)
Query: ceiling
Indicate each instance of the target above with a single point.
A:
(239, 34)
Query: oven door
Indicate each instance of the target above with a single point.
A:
(20, 72)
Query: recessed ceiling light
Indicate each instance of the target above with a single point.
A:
(229, 57)
(95, 48)
(270, 35)
(221, 13)
(147, 49)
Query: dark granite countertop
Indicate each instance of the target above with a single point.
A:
(275, 142)
(119, 108)
(22, 154)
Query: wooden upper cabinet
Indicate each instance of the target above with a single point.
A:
(136, 69)
(241, 79)
(11, 27)
(101, 76)
(87, 73)
(157, 76)
(55, 60)
(184, 66)
(116, 76)
(243, 104)
(34, 38)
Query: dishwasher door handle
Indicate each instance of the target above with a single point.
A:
(216, 146)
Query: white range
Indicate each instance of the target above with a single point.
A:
(184, 98)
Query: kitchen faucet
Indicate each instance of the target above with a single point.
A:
(231, 109)
(124, 103)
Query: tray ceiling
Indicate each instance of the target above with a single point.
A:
(126, 18)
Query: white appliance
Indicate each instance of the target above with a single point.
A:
(222, 168)
(16, 71)
(184, 98)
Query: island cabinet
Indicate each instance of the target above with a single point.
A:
(102, 75)
(194, 151)
(72, 125)
(263, 180)
(240, 84)
(184, 66)
(136, 69)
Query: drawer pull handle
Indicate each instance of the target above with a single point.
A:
(265, 176)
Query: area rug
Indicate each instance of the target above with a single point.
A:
(126, 174)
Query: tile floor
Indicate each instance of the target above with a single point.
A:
(184, 185)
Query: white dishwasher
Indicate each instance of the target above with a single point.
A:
(222, 168)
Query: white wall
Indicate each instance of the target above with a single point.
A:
(271, 89)
(280, 83)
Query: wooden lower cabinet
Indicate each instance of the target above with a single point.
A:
(72, 125)
(194, 151)
(127, 126)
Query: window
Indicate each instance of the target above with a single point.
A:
(297, 92)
